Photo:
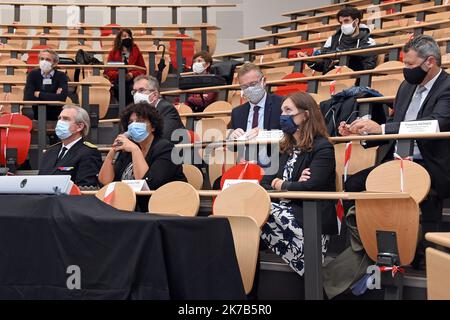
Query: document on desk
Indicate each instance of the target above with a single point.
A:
(264, 135)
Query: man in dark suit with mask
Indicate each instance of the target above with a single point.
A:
(261, 112)
(74, 155)
(146, 89)
(425, 95)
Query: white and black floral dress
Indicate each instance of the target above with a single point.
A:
(282, 233)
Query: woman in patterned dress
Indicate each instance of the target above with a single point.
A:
(306, 163)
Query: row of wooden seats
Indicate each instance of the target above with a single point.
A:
(324, 18)
(381, 21)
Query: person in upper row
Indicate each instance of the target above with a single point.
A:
(202, 62)
(307, 163)
(352, 35)
(126, 51)
(46, 84)
(262, 111)
(146, 89)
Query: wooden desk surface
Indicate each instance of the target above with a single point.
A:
(388, 17)
(331, 13)
(440, 238)
(76, 66)
(302, 195)
(25, 102)
(87, 4)
(102, 51)
(12, 126)
(93, 26)
(329, 7)
(87, 37)
(330, 27)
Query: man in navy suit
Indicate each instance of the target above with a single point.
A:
(263, 110)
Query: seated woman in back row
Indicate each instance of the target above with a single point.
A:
(202, 62)
(144, 155)
(306, 163)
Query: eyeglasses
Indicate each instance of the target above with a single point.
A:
(252, 84)
(142, 90)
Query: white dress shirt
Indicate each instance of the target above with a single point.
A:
(261, 105)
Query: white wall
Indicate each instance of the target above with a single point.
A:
(235, 23)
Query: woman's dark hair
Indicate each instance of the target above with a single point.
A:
(206, 56)
(118, 39)
(349, 12)
(143, 111)
(313, 126)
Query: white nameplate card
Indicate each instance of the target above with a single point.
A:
(137, 185)
(275, 135)
(412, 127)
(230, 182)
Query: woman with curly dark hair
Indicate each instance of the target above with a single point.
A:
(126, 51)
(306, 163)
(144, 155)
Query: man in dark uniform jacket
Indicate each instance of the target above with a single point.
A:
(146, 89)
(46, 84)
(74, 155)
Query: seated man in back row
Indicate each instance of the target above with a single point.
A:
(352, 35)
(74, 155)
(425, 95)
(47, 84)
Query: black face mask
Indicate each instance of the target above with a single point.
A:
(127, 42)
(415, 75)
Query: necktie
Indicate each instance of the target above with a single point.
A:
(414, 107)
(62, 153)
(255, 116)
(411, 115)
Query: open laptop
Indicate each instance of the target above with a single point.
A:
(35, 184)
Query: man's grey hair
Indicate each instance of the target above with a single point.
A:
(153, 83)
(425, 46)
(52, 52)
(81, 117)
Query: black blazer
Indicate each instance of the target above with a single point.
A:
(322, 163)
(82, 162)
(435, 153)
(272, 112)
(171, 119)
(161, 168)
(47, 92)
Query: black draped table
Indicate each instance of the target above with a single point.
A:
(118, 255)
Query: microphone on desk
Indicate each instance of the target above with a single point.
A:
(116, 156)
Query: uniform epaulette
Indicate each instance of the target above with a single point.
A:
(90, 145)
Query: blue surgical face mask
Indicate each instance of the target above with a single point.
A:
(62, 129)
(138, 131)
(287, 124)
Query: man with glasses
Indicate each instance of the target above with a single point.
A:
(146, 89)
(261, 112)
(424, 95)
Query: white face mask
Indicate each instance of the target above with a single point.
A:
(45, 66)
(198, 67)
(141, 97)
(348, 29)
